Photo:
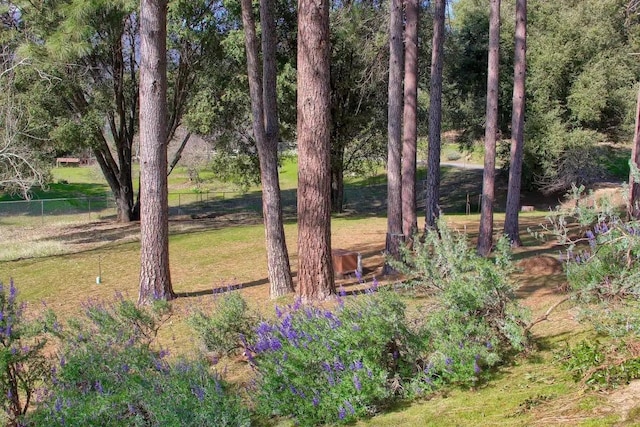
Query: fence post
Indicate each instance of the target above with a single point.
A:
(89, 201)
(42, 212)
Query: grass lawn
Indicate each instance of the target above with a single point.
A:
(205, 254)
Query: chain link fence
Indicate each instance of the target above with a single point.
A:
(40, 212)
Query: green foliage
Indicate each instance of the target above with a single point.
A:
(109, 373)
(601, 261)
(221, 330)
(241, 169)
(23, 366)
(322, 366)
(602, 264)
(600, 366)
(473, 320)
(558, 155)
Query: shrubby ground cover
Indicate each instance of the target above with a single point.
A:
(602, 264)
(333, 363)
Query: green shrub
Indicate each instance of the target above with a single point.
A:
(452, 155)
(23, 367)
(473, 321)
(600, 366)
(602, 261)
(220, 331)
(110, 374)
(322, 366)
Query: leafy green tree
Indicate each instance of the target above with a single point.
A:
(92, 52)
(358, 82)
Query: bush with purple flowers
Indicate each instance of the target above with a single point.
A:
(110, 373)
(602, 261)
(23, 366)
(318, 365)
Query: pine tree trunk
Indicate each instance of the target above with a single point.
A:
(315, 270)
(410, 120)
(435, 116)
(337, 182)
(511, 224)
(394, 129)
(485, 237)
(155, 278)
(277, 255)
(634, 184)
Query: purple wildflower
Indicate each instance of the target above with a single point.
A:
(342, 413)
(278, 312)
(358, 275)
(98, 387)
(448, 361)
(356, 365)
(297, 304)
(338, 365)
(342, 291)
(326, 366)
(356, 382)
(349, 407)
(58, 405)
(331, 380)
(12, 292)
(316, 401)
(275, 344)
(198, 392)
(489, 345)
(476, 367)
(264, 328)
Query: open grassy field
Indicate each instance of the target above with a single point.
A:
(213, 252)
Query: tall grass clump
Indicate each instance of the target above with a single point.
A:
(472, 321)
(110, 372)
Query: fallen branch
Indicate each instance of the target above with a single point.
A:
(545, 316)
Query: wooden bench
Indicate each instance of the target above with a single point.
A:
(66, 161)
